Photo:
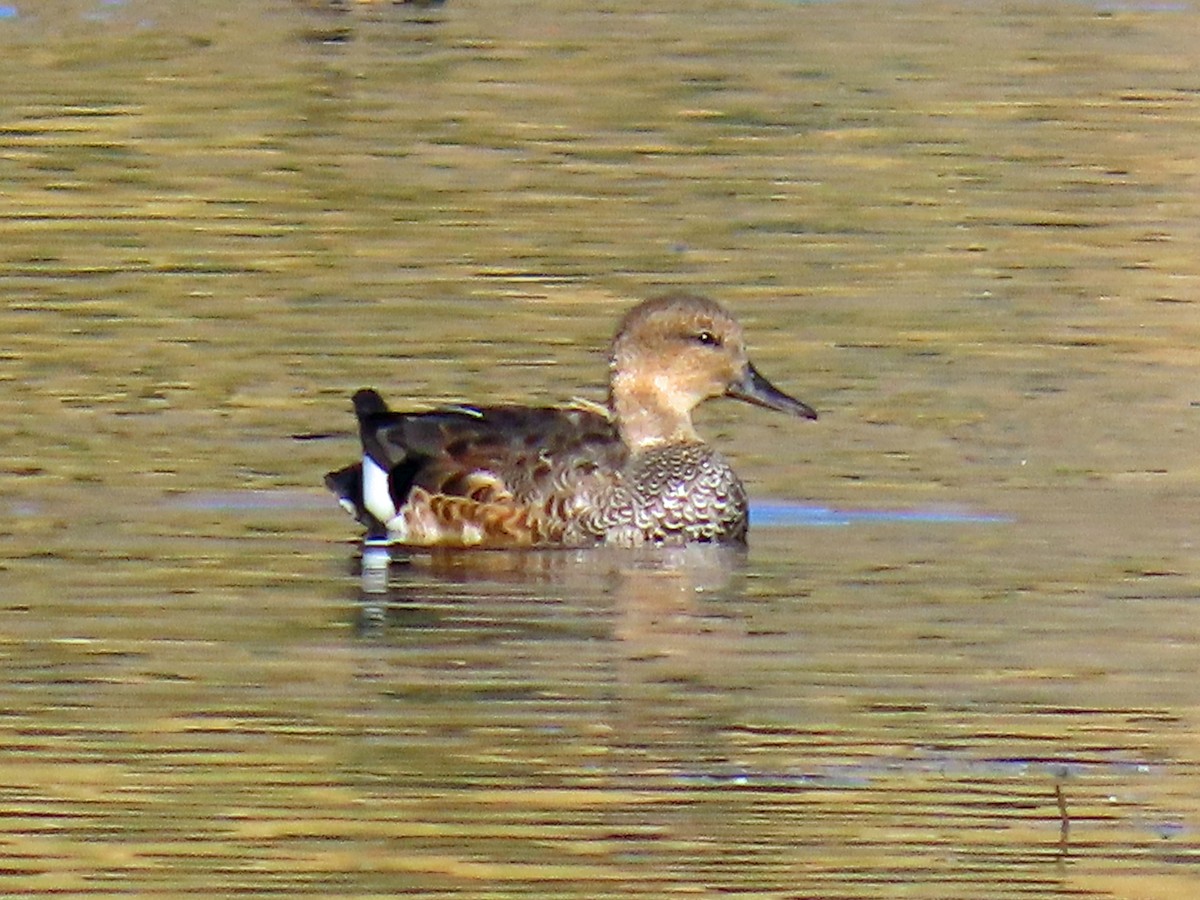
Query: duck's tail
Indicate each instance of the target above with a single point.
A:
(364, 488)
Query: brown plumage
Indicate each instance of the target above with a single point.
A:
(517, 476)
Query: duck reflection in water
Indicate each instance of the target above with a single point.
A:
(660, 595)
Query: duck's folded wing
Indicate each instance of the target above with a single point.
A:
(491, 453)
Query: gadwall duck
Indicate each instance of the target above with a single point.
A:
(634, 472)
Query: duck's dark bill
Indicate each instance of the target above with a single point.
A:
(753, 388)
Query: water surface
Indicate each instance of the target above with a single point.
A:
(959, 656)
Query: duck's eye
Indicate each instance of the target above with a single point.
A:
(708, 339)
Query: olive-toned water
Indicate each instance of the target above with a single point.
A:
(966, 233)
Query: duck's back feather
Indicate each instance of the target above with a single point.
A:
(492, 453)
(497, 475)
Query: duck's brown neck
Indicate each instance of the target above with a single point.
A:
(646, 418)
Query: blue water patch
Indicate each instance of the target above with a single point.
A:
(763, 513)
(252, 501)
(781, 513)
(8, 11)
(863, 774)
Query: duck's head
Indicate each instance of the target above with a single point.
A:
(673, 353)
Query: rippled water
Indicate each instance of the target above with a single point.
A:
(959, 658)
